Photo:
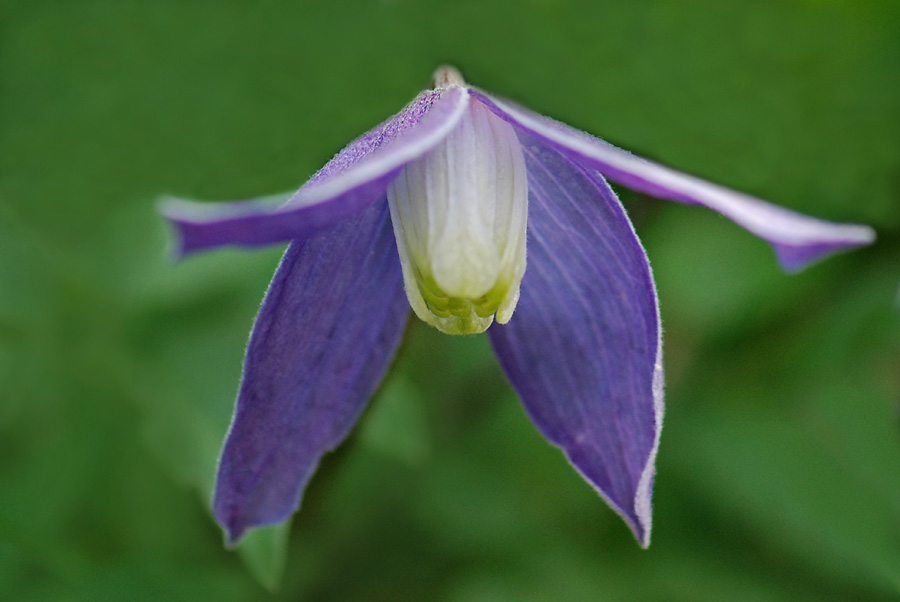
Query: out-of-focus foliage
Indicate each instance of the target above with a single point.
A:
(779, 470)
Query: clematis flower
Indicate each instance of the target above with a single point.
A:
(472, 211)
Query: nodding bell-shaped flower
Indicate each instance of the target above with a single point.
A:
(434, 209)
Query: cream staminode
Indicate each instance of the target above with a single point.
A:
(459, 215)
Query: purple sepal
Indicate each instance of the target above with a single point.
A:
(798, 240)
(583, 350)
(324, 337)
(352, 180)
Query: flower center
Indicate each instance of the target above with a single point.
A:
(459, 215)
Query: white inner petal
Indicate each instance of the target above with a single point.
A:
(459, 215)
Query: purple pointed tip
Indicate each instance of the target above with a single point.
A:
(793, 258)
(181, 246)
(238, 513)
(233, 526)
(234, 532)
(188, 226)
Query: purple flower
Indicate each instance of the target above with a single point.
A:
(432, 209)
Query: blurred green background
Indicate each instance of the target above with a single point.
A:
(779, 469)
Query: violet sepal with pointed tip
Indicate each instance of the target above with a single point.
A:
(582, 350)
(324, 337)
(798, 239)
(351, 181)
(586, 339)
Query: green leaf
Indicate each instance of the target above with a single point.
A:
(264, 552)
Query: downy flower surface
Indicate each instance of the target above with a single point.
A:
(480, 215)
